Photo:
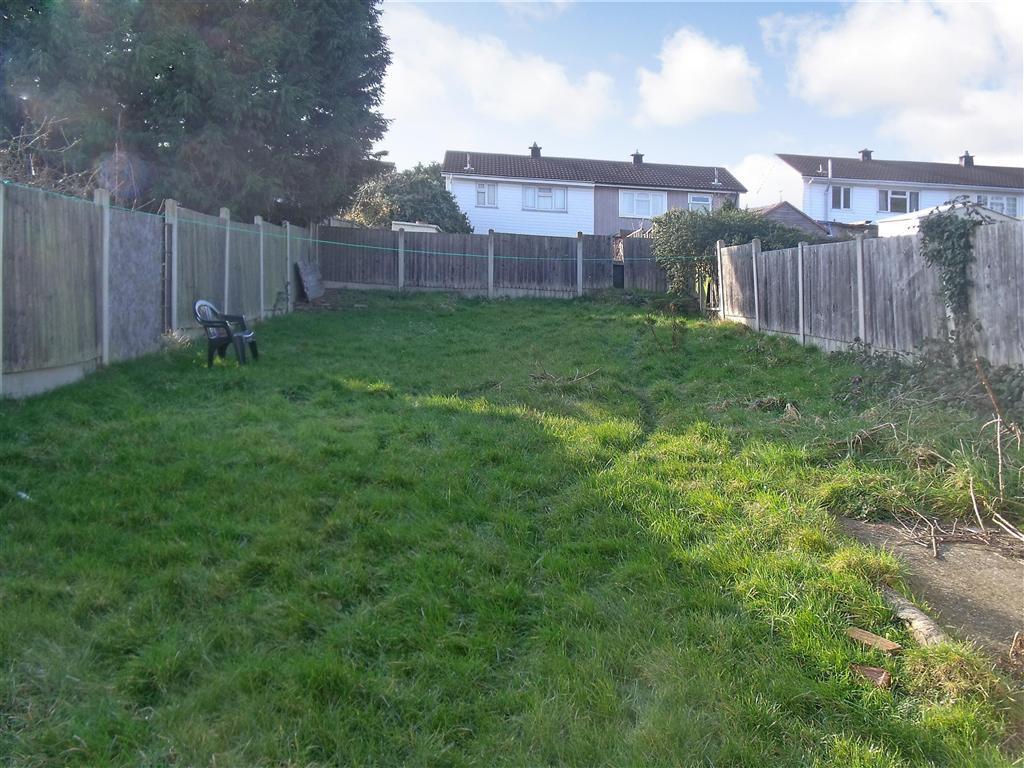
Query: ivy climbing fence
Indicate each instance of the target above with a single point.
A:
(879, 291)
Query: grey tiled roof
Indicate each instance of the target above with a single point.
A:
(908, 171)
(617, 173)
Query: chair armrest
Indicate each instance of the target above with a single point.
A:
(236, 320)
(215, 324)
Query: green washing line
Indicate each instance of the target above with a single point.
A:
(311, 240)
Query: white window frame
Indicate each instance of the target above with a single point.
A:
(700, 201)
(535, 195)
(845, 195)
(490, 195)
(912, 198)
(642, 203)
(999, 203)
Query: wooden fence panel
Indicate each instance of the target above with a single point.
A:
(136, 283)
(597, 263)
(830, 291)
(532, 265)
(275, 269)
(903, 305)
(777, 291)
(302, 250)
(244, 282)
(902, 302)
(640, 271)
(998, 293)
(200, 263)
(456, 262)
(738, 282)
(302, 245)
(52, 249)
(359, 257)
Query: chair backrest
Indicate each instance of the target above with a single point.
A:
(205, 311)
(208, 316)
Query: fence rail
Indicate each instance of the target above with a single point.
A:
(495, 264)
(84, 283)
(879, 291)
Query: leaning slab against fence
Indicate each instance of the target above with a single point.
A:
(879, 291)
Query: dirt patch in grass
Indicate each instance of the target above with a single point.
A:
(976, 592)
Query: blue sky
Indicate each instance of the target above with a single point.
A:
(725, 84)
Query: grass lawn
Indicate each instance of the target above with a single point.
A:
(388, 544)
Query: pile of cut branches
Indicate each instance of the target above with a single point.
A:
(36, 157)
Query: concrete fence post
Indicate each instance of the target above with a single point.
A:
(719, 245)
(861, 319)
(800, 291)
(225, 216)
(490, 263)
(171, 217)
(401, 259)
(102, 198)
(579, 263)
(755, 251)
(3, 189)
(288, 263)
(258, 221)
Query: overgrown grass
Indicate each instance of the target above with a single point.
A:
(387, 543)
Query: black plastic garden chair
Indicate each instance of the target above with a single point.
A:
(223, 331)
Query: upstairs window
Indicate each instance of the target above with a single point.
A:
(1000, 203)
(840, 198)
(544, 199)
(700, 202)
(897, 201)
(486, 195)
(641, 204)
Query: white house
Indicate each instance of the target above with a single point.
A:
(531, 194)
(856, 190)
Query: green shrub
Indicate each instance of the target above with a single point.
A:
(684, 241)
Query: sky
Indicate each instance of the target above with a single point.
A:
(720, 84)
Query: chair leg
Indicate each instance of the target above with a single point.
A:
(255, 352)
(240, 349)
(211, 349)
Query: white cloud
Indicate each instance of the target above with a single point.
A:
(535, 9)
(768, 180)
(446, 89)
(698, 77)
(942, 77)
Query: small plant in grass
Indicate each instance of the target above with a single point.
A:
(951, 672)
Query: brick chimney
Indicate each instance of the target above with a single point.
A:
(638, 159)
(967, 159)
(534, 151)
(865, 154)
